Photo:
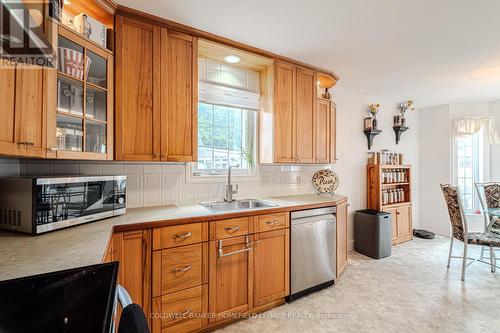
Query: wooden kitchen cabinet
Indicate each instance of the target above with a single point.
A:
(133, 251)
(271, 266)
(304, 127)
(137, 95)
(322, 133)
(156, 93)
(342, 244)
(230, 277)
(23, 112)
(8, 139)
(305, 114)
(179, 97)
(284, 113)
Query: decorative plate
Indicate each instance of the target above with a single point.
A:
(325, 181)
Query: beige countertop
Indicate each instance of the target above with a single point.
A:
(22, 255)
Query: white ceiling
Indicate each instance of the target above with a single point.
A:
(436, 51)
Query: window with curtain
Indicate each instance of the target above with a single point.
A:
(470, 167)
(229, 98)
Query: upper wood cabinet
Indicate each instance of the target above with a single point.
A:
(323, 126)
(23, 111)
(284, 113)
(80, 99)
(156, 93)
(137, 95)
(304, 114)
(303, 125)
(179, 97)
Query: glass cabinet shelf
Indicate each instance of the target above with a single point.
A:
(82, 97)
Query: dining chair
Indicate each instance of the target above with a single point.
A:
(489, 197)
(460, 231)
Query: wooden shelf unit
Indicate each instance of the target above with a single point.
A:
(402, 229)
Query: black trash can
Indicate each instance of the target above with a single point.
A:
(373, 233)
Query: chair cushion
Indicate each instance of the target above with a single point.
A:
(484, 238)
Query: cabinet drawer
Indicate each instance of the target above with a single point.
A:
(231, 228)
(270, 222)
(179, 312)
(177, 235)
(179, 268)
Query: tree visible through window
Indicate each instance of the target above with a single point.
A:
(225, 134)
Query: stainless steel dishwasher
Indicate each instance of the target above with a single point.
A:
(312, 251)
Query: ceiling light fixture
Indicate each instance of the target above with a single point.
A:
(232, 59)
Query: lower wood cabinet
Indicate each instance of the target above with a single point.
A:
(402, 229)
(271, 266)
(196, 276)
(181, 311)
(179, 268)
(230, 277)
(342, 245)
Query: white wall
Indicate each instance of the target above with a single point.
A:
(435, 167)
(352, 149)
(151, 184)
(436, 160)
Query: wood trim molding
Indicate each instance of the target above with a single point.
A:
(137, 14)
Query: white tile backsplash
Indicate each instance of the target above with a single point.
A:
(152, 184)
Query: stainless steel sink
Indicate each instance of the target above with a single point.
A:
(237, 205)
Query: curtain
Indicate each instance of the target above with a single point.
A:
(470, 126)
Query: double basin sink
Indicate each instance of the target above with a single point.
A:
(237, 205)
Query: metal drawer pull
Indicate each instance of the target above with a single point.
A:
(232, 229)
(183, 314)
(182, 236)
(273, 222)
(248, 247)
(185, 269)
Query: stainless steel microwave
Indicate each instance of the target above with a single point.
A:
(40, 204)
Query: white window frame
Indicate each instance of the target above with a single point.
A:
(481, 172)
(195, 175)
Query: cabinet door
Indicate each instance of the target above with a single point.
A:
(271, 269)
(230, 278)
(394, 220)
(322, 131)
(179, 91)
(404, 221)
(341, 237)
(8, 145)
(137, 100)
(304, 115)
(333, 133)
(133, 250)
(30, 112)
(284, 110)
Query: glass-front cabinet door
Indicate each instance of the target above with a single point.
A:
(84, 98)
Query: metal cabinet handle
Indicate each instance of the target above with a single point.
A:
(182, 236)
(232, 229)
(182, 314)
(273, 222)
(248, 247)
(185, 269)
(27, 143)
